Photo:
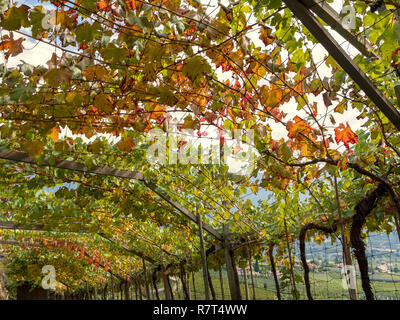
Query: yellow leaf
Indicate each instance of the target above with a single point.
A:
(254, 188)
(33, 148)
(271, 97)
(96, 71)
(103, 103)
(341, 107)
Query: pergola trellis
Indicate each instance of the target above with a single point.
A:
(302, 10)
(127, 174)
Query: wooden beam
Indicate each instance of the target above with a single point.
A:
(18, 226)
(18, 243)
(72, 165)
(342, 58)
(323, 10)
(107, 171)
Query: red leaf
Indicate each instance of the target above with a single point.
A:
(345, 134)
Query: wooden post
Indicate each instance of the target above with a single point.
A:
(183, 280)
(105, 291)
(112, 288)
(246, 284)
(178, 289)
(397, 91)
(203, 256)
(251, 274)
(121, 290)
(154, 281)
(273, 269)
(221, 281)
(140, 288)
(396, 220)
(136, 291)
(292, 278)
(145, 280)
(151, 296)
(95, 293)
(171, 292)
(345, 245)
(126, 290)
(233, 278)
(333, 19)
(213, 295)
(87, 292)
(194, 286)
(188, 286)
(166, 285)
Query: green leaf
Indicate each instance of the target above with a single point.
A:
(55, 77)
(36, 18)
(195, 67)
(15, 18)
(87, 32)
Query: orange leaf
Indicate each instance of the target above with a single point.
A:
(58, 3)
(266, 35)
(345, 134)
(54, 134)
(102, 5)
(131, 4)
(11, 46)
(126, 144)
(298, 126)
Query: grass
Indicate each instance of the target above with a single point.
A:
(324, 286)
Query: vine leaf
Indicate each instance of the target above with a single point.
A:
(15, 18)
(102, 5)
(55, 77)
(11, 46)
(126, 144)
(33, 148)
(265, 35)
(345, 134)
(298, 126)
